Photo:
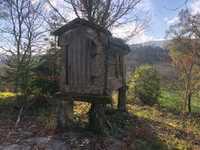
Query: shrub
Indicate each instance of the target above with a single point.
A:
(144, 84)
(44, 87)
(48, 119)
(45, 75)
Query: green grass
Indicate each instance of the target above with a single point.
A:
(196, 104)
(4, 95)
(173, 130)
(7, 105)
(172, 100)
(7, 98)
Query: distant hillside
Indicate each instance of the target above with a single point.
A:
(161, 43)
(2, 69)
(2, 65)
(153, 53)
(2, 59)
(147, 53)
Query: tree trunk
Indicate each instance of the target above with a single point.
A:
(97, 118)
(189, 102)
(185, 104)
(122, 99)
(65, 114)
(122, 90)
(185, 98)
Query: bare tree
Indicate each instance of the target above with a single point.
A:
(105, 13)
(184, 51)
(21, 27)
(57, 11)
(23, 34)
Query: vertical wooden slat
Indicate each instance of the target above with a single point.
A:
(82, 49)
(67, 64)
(78, 61)
(91, 61)
(87, 62)
(70, 66)
(75, 50)
(72, 61)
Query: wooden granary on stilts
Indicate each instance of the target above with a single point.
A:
(92, 64)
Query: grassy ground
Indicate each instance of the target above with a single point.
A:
(148, 128)
(7, 102)
(176, 132)
(4, 95)
(172, 129)
(172, 100)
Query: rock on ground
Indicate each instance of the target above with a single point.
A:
(39, 143)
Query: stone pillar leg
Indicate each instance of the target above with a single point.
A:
(97, 118)
(65, 113)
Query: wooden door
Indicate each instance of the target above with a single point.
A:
(80, 55)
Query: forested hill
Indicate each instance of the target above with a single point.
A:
(2, 65)
(154, 53)
(2, 69)
(2, 59)
(162, 43)
(148, 53)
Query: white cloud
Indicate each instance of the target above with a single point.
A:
(195, 6)
(125, 31)
(171, 21)
(55, 3)
(64, 8)
(141, 38)
(146, 5)
(34, 1)
(144, 9)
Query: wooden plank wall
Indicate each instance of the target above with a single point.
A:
(79, 61)
(85, 63)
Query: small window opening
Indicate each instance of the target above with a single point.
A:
(92, 48)
(92, 56)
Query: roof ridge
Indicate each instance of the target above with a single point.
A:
(76, 23)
